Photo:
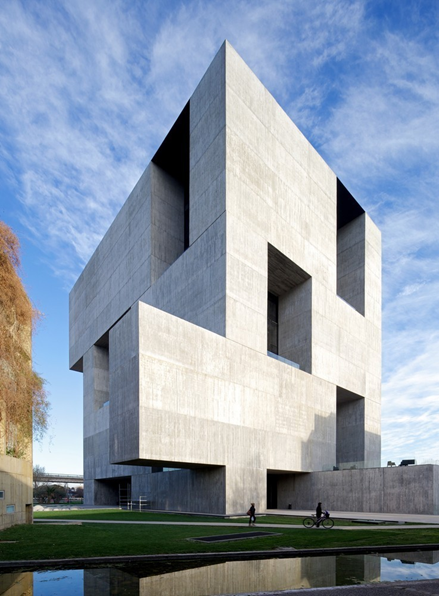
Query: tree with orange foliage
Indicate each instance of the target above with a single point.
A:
(24, 407)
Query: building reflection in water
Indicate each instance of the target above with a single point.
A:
(222, 578)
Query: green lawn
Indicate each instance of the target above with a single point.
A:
(47, 541)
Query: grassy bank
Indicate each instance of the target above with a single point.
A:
(47, 541)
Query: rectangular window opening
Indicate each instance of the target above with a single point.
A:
(288, 311)
(350, 249)
(272, 321)
(350, 435)
(170, 195)
(101, 372)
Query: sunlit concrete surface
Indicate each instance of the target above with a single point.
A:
(228, 325)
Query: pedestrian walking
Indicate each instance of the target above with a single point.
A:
(252, 515)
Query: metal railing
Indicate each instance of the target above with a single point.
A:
(140, 504)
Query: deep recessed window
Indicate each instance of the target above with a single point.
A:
(350, 249)
(101, 363)
(288, 311)
(350, 436)
(173, 158)
(348, 208)
(272, 321)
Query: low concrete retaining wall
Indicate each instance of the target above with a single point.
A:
(411, 489)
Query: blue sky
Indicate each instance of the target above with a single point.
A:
(89, 88)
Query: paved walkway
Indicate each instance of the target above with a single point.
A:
(395, 517)
(394, 520)
(358, 526)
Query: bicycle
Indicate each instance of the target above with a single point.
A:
(325, 521)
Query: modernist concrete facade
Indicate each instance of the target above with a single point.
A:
(228, 326)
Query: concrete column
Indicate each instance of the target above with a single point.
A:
(96, 422)
(245, 486)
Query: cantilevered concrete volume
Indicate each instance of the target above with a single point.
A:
(228, 326)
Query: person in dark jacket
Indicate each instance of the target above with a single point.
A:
(251, 512)
(318, 513)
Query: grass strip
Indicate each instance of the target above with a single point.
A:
(46, 541)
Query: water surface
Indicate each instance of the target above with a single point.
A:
(228, 577)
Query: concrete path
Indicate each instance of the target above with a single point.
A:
(421, 521)
(359, 526)
(391, 517)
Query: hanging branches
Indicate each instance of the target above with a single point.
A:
(24, 406)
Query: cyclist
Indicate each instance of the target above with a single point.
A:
(321, 515)
(318, 514)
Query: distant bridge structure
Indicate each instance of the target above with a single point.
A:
(59, 478)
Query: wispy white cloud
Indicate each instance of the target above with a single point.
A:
(388, 118)
(78, 123)
(410, 409)
(89, 89)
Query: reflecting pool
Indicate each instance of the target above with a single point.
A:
(227, 577)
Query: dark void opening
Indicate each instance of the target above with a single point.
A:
(351, 249)
(271, 491)
(348, 208)
(112, 491)
(173, 157)
(273, 321)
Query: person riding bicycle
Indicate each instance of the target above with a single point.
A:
(315, 522)
(321, 515)
(318, 513)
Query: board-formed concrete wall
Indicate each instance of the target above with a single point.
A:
(408, 489)
(16, 484)
(169, 323)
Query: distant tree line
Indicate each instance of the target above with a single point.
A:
(46, 493)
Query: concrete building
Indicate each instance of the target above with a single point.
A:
(228, 326)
